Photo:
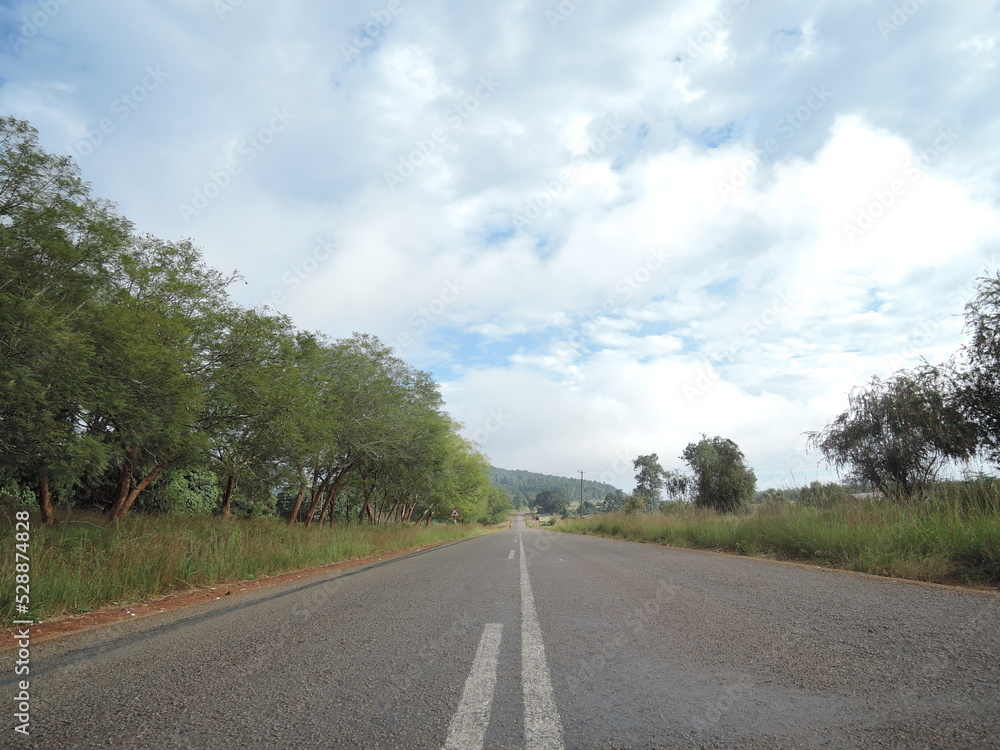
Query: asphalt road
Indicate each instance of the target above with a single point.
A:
(527, 638)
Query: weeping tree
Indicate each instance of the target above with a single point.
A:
(976, 368)
(897, 434)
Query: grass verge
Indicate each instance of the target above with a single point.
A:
(84, 563)
(947, 540)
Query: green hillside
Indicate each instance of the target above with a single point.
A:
(525, 485)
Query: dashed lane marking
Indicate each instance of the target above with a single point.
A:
(468, 727)
(542, 725)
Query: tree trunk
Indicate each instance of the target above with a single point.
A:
(123, 507)
(317, 495)
(45, 499)
(227, 496)
(335, 490)
(298, 500)
(124, 484)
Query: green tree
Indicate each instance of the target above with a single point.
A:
(648, 480)
(614, 501)
(498, 506)
(634, 504)
(551, 502)
(155, 341)
(252, 395)
(56, 244)
(722, 479)
(678, 485)
(976, 371)
(896, 434)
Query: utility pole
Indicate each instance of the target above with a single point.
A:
(581, 493)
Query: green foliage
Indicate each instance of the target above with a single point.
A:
(15, 494)
(82, 564)
(180, 493)
(896, 434)
(498, 506)
(722, 479)
(127, 374)
(550, 502)
(976, 373)
(634, 504)
(823, 495)
(953, 538)
(524, 486)
(648, 480)
(677, 485)
(614, 501)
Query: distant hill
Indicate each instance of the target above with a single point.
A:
(525, 485)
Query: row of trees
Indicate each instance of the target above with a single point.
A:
(719, 479)
(125, 368)
(898, 433)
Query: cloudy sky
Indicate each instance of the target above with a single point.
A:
(605, 226)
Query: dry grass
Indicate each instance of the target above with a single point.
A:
(954, 537)
(83, 563)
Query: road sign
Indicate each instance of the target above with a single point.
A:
(454, 512)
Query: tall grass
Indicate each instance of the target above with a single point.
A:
(84, 563)
(953, 537)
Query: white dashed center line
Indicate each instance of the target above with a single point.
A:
(468, 727)
(542, 726)
(511, 555)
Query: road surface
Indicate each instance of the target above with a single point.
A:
(527, 638)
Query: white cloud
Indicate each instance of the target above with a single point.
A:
(559, 245)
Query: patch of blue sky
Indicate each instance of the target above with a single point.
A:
(545, 247)
(478, 350)
(365, 41)
(875, 301)
(716, 137)
(725, 288)
(500, 236)
(784, 41)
